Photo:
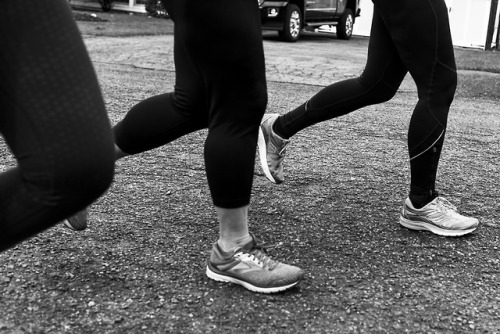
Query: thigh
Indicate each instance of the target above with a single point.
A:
(50, 100)
(384, 65)
(189, 96)
(421, 34)
(222, 41)
(161, 119)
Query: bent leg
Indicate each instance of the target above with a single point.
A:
(223, 41)
(220, 84)
(378, 83)
(52, 116)
(161, 119)
(229, 58)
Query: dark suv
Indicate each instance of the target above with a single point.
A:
(290, 17)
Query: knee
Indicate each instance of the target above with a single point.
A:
(78, 187)
(80, 180)
(445, 84)
(259, 93)
(94, 175)
(385, 94)
(382, 93)
(255, 104)
(261, 98)
(377, 91)
(97, 177)
(242, 111)
(187, 103)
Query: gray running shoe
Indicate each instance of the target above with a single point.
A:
(439, 217)
(251, 267)
(272, 149)
(77, 222)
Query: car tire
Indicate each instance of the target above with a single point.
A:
(292, 24)
(345, 25)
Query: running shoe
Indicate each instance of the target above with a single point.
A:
(77, 222)
(272, 149)
(251, 267)
(439, 217)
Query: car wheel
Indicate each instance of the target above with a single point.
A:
(292, 24)
(345, 25)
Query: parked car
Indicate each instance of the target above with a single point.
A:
(291, 17)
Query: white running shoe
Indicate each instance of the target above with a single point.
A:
(251, 267)
(272, 149)
(439, 217)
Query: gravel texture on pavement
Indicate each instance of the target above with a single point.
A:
(139, 267)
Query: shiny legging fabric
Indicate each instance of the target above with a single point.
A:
(220, 85)
(406, 36)
(52, 118)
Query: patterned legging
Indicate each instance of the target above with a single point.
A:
(52, 117)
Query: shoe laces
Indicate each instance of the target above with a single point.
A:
(446, 205)
(279, 143)
(258, 254)
(283, 148)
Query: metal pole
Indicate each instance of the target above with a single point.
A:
(491, 25)
(498, 33)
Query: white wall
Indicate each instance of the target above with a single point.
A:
(468, 21)
(364, 22)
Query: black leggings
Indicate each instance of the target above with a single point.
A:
(220, 85)
(52, 117)
(406, 36)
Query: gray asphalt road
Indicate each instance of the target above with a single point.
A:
(368, 275)
(139, 268)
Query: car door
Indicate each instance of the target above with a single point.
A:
(317, 10)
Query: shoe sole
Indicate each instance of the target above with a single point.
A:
(228, 279)
(422, 226)
(261, 143)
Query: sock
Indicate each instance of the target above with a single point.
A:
(230, 245)
(420, 198)
(423, 175)
(278, 128)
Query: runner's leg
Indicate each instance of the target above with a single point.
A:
(53, 119)
(378, 83)
(421, 34)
